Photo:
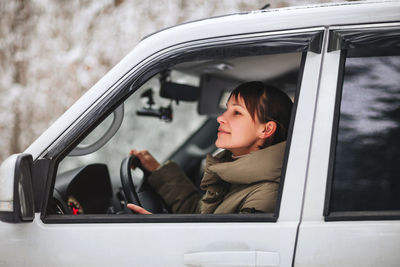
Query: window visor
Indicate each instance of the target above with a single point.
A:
(361, 41)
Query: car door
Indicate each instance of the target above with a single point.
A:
(352, 206)
(172, 239)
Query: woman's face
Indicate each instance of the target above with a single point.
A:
(237, 131)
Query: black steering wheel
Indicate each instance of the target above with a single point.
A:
(142, 194)
(126, 179)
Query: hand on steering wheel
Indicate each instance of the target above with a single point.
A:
(147, 161)
(144, 195)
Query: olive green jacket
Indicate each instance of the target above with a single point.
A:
(247, 184)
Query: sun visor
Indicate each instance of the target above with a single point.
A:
(214, 94)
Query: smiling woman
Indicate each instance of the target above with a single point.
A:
(245, 177)
(238, 132)
(269, 113)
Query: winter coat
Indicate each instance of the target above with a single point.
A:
(246, 185)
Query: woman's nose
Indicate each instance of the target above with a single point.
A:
(221, 118)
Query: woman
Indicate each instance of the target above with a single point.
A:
(244, 178)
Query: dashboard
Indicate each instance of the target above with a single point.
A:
(84, 190)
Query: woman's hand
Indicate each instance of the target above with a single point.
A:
(147, 160)
(137, 209)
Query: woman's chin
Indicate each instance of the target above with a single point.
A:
(219, 144)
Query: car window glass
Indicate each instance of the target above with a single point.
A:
(366, 168)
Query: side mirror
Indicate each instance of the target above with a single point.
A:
(16, 192)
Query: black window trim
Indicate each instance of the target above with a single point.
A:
(290, 42)
(374, 39)
(335, 131)
(371, 37)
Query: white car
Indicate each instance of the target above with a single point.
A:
(63, 202)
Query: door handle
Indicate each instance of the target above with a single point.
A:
(232, 258)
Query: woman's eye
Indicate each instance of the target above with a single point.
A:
(236, 113)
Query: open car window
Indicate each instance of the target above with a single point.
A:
(173, 115)
(139, 130)
(157, 135)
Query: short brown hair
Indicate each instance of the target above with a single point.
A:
(266, 103)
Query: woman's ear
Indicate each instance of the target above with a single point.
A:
(268, 130)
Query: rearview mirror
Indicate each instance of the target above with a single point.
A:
(179, 92)
(16, 192)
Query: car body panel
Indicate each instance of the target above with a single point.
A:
(299, 237)
(344, 243)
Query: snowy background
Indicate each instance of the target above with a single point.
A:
(52, 51)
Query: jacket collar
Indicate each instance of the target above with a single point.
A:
(261, 165)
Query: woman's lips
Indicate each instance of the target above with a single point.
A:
(220, 131)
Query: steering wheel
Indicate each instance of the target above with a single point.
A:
(140, 193)
(126, 179)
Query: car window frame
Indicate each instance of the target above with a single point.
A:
(127, 86)
(344, 39)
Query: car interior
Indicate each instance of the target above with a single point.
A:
(173, 115)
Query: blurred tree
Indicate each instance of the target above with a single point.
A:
(52, 51)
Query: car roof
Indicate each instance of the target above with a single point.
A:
(325, 14)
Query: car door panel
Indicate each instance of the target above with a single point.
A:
(353, 237)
